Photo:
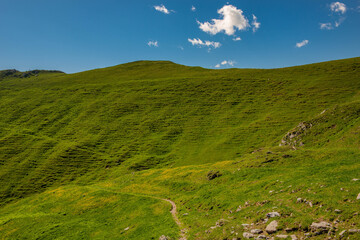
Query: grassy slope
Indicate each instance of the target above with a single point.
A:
(97, 127)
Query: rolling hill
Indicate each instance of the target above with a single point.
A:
(94, 154)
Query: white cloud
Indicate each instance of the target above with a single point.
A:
(339, 22)
(301, 44)
(326, 26)
(162, 8)
(338, 7)
(237, 39)
(225, 63)
(193, 8)
(200, 43)
(232, 20)
(153, 44)
(255, 23)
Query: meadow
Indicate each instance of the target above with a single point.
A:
(92, 155)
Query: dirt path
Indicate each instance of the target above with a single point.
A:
(173, 209)
(176, 219)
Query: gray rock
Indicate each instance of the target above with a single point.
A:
(261, 237)
(354, 230)
(337, 211)
(293, 229)
(256, 231)
(163, 237)
(320, 227)
(342, 233)
(299, 200)
(272, 227)
(248, 235)
(358, 197)
(273, 214)
(221, 222)
(282, 236)
(355, 179)
(294, 237)
(126, 228)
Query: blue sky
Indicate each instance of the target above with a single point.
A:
(78, 35)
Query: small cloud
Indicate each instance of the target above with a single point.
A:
(181, 48)
(237, 39)
(162, 8)
(232, 20)
(301, 44)
(200, 43)
(339, 22)
(193, 8)
(153, 44)
(338, 7)
(229, 63)
(326, 26)
(255, 23)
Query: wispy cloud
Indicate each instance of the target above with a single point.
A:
(326, 26)
(255, 23)
(200, 43)
(237, 39)
(153, 44)
(162, 8)
(338, 7)
(302, 43)
(232, 20)
(225, 63)
(193, 8)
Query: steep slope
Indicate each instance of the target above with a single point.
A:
(150, 114)
(158, 128)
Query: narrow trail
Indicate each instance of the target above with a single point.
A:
(176, 219)
(173, 208)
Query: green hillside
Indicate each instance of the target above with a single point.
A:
(88, 155)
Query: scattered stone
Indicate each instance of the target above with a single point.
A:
(358, 197)
(213, 174)
(337, 211)
(342, 233)
(238, 209)
(126, 228)
(261, 237)
(320, 227)
(291, 229)
(354, 230)
(282, 236)
(299, 200)
(163, 237)
(221, 222)
(272, 227)
(248, 235)
(256, 231)
(310, 204)
(294, 237)
(245, 225)
(355, 179)
(273, 214)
